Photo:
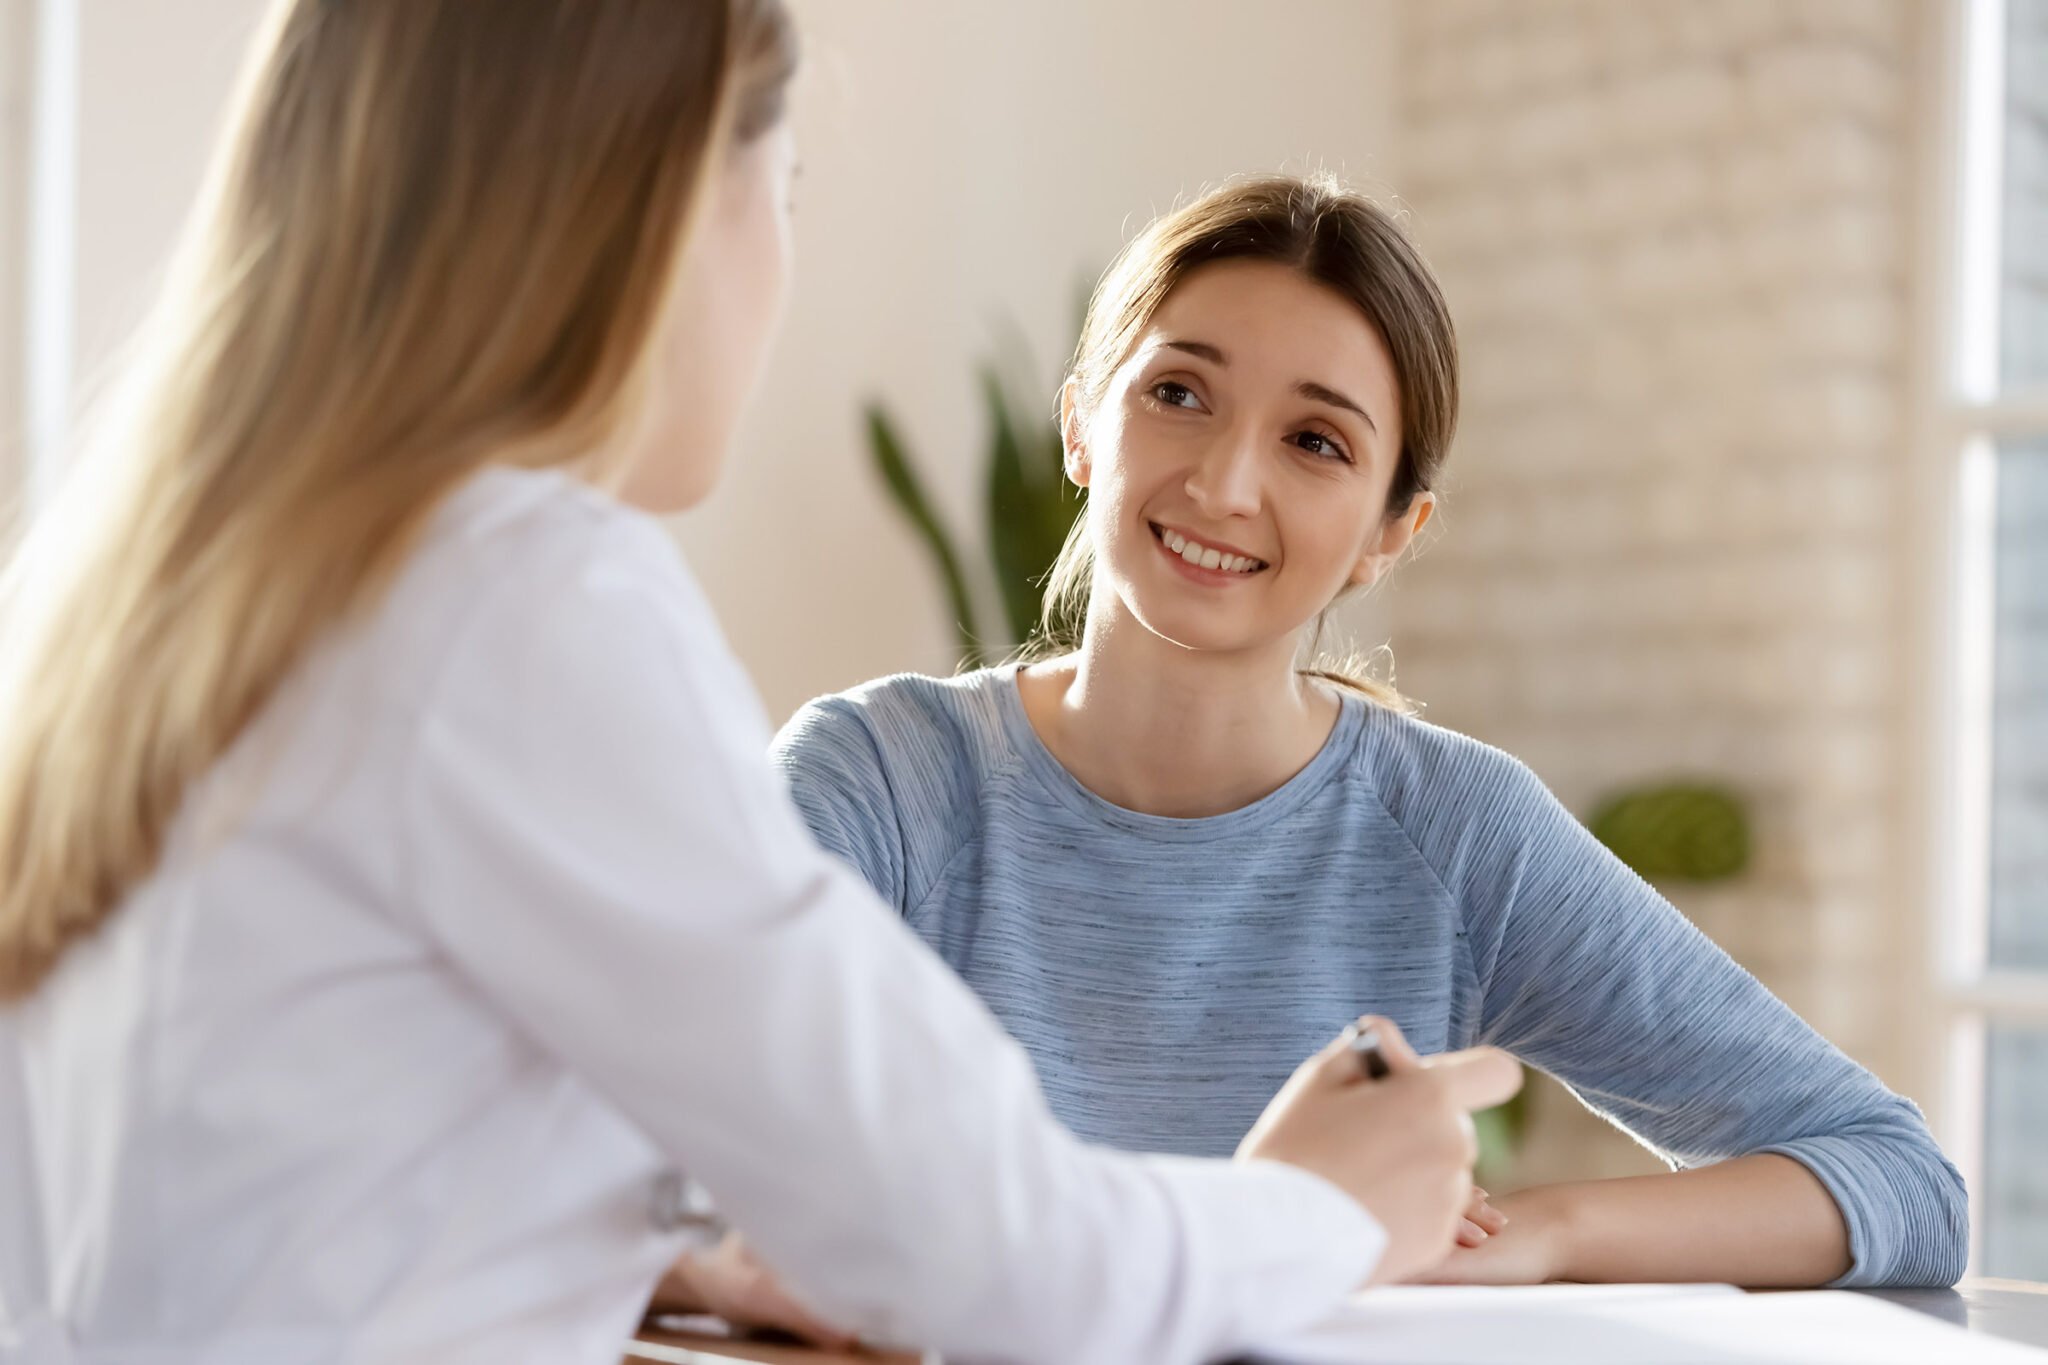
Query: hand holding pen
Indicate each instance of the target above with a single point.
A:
(1362, 1036)
(1402, 1145)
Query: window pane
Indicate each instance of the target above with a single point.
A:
(2019, 713)
(2015, 1194)
(2023, 305)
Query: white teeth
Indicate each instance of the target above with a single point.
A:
(1202, 557)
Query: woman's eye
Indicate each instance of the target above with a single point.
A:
(1315, 443)
(1174, 395)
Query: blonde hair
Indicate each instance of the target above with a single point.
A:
(437, 235)
(1335, 237)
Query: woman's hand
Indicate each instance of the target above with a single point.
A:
(1482, 1220)
(1528, 1248)
(1403, 1146)
(731, 1282)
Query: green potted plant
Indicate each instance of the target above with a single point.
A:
(1028, 508)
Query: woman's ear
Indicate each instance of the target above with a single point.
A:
(1396, 534)
(1072, 429)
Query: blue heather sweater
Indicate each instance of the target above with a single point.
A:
(1167, 975)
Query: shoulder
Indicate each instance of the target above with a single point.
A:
(1475, 813)
(1418, 768)
(906, 720)
(1485, 823)
(528, 578)
(901, 762)
(538, 536)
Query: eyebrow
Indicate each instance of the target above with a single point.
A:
(1203, 349)
(1307, 388)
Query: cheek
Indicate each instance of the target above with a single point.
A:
(1330, 537)
(710, 349)
(1133, 461)
(1119, 494)
(741, 276)
(747, 294)
(768, 247)
(729, 307)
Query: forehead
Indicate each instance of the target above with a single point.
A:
(1273, 322)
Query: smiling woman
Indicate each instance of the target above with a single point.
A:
(1168, 855)
(1245, 471)
(1294, 266)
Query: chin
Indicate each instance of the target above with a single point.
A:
(1203, 632)
(668, 488)
(1248, 626)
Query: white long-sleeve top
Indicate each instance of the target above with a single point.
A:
(496, 921)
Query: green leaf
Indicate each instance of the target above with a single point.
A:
(1030, 509)
(1028, 503)
(1680, 831)
(1060, 504)
(1013, 514)
(903, 485)
(1500, 1131)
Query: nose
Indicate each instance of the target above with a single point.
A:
(1225, 480)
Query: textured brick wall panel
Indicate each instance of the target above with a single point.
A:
(1675, 238)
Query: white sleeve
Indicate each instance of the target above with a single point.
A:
(598, 840)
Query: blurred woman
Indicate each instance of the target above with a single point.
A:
(402, 931)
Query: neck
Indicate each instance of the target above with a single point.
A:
(1155, 727)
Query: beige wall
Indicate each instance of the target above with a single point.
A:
(964, 163)
(153, 83)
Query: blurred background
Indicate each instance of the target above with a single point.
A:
(1750, 496)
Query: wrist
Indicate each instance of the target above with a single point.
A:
(678, 1290)
(1551, 1216)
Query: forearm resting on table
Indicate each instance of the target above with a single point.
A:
(1762, 1221)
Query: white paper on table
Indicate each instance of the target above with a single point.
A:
(1631, 1324)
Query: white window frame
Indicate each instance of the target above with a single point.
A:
(16, 95)
(1964, 416)
(39, 52)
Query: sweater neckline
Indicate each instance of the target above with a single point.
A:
(1070, 792)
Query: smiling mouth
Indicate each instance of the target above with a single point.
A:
(1200, 556)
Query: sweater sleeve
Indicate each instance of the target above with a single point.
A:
(837, 779)
(1589, 974)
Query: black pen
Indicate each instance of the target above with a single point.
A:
(1365, 1045)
